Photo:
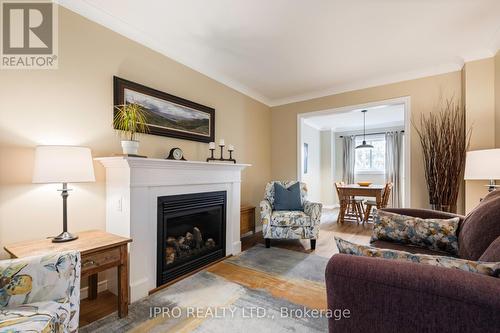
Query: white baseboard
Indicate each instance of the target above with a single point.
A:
(236, 247)
(101, 286)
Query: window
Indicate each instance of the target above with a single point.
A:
(370, 160)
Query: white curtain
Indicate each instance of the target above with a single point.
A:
(393, 164)
(349, 144)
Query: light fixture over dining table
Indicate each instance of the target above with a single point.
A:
(364, 144)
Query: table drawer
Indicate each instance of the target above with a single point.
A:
(97, 260)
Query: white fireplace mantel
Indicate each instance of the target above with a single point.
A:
(133, 186)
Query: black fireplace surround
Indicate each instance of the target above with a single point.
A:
(191, 233)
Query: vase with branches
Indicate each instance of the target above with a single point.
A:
(130, 119)
(444, 139)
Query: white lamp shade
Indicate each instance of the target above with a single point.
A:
(482, 164)
(63, 164)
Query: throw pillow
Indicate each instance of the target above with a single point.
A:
(287, 198)
(486, 268)
(434, 234)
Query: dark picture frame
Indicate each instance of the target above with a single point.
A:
(167, 115)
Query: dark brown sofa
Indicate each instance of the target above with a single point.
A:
(396, 296)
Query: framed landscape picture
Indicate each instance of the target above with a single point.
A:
(168, 115)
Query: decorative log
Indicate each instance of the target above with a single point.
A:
(197, 237)
(210, 243)
(171, 241)
(170, 254)
(191, 244)
(182, 243)
(184, 248)
(190, 240)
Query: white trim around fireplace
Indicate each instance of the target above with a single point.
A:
(133, 186)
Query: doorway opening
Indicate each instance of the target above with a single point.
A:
(325, 137)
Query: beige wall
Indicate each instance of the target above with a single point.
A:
(426, 94)
(479, 88)
(311, 136)
(497, 100)
(327, 141)
(73, 105)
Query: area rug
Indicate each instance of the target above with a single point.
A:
(261, 290)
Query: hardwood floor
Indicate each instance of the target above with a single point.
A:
(91, 310)
(325, 245)
(106, 302)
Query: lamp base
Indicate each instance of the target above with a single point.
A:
(64, 237)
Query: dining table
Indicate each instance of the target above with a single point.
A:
(355, 190)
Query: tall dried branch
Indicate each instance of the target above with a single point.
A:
(444, 140)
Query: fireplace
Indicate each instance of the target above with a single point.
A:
(191, 233)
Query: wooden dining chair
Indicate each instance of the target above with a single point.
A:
(369, 204)
(349, 206)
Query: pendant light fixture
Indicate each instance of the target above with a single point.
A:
(364, 145)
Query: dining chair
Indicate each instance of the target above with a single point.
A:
(369, 204)
(349, 205)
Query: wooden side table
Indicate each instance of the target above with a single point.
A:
(99, 251)
(247, 219)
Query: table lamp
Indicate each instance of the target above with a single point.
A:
(483, 165)
(63, 164)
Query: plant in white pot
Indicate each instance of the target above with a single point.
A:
(130, 119)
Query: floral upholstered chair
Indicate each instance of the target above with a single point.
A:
(278, 224)
(40, 293)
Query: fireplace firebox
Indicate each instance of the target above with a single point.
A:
(191, 233)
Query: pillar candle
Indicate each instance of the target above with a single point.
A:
(221, 142)
(211, 145)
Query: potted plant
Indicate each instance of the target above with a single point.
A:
(130, 119)
(444, 139)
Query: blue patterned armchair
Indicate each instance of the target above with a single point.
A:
(40, 293)
(289, 224)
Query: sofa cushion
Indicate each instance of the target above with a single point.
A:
(486, 268)
(407, 247)
(286, 218)
(480, 227)
(48, 316)
(434, 234)
(287, 198)
(492, 253)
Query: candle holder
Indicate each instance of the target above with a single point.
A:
(221, 152)
(211, 154)
(221, 159)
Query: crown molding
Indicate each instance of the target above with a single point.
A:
(370, 83)
(113, 23)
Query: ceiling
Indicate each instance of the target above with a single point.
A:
(282, 51)
(385, 116)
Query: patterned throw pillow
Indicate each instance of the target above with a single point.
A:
(434, 234)
(486, 268)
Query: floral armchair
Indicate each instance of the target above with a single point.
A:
(40, 293)
(289, 224)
